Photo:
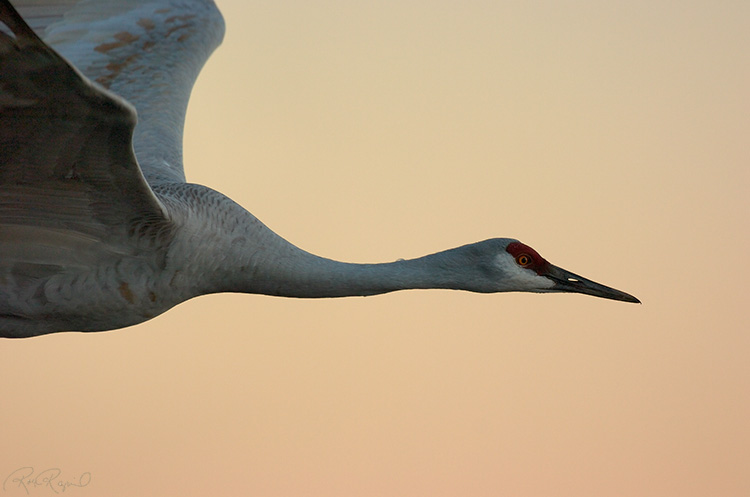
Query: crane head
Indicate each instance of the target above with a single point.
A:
(526, 270)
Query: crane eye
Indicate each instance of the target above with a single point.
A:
(523, 260)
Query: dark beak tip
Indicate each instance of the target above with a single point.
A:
(633, 300)
(617, 295)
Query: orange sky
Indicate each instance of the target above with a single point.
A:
(611, 137)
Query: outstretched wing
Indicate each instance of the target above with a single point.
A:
(148, 52)
(66, 155)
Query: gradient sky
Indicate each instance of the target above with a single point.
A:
(610, 136)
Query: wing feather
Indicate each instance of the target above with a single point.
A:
(66, 155)
(148, 52)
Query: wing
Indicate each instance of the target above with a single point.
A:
(149, 52)
(66, 156)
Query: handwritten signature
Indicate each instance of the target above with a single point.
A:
(25, 478)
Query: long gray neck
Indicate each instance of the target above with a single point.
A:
(300, 274)
(227, 249)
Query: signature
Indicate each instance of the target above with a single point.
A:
(27, 479)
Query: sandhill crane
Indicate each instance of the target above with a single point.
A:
(98, 228)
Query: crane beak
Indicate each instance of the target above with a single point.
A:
(565, 281)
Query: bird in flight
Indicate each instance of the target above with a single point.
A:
(99, 229)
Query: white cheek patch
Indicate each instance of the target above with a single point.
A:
(518, 278)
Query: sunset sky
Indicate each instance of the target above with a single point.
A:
(610, 136)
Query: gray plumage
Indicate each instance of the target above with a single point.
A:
(98, 228)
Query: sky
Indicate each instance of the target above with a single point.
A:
(609, 136)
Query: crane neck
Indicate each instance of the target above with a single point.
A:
(295, 273)
(224, 248)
